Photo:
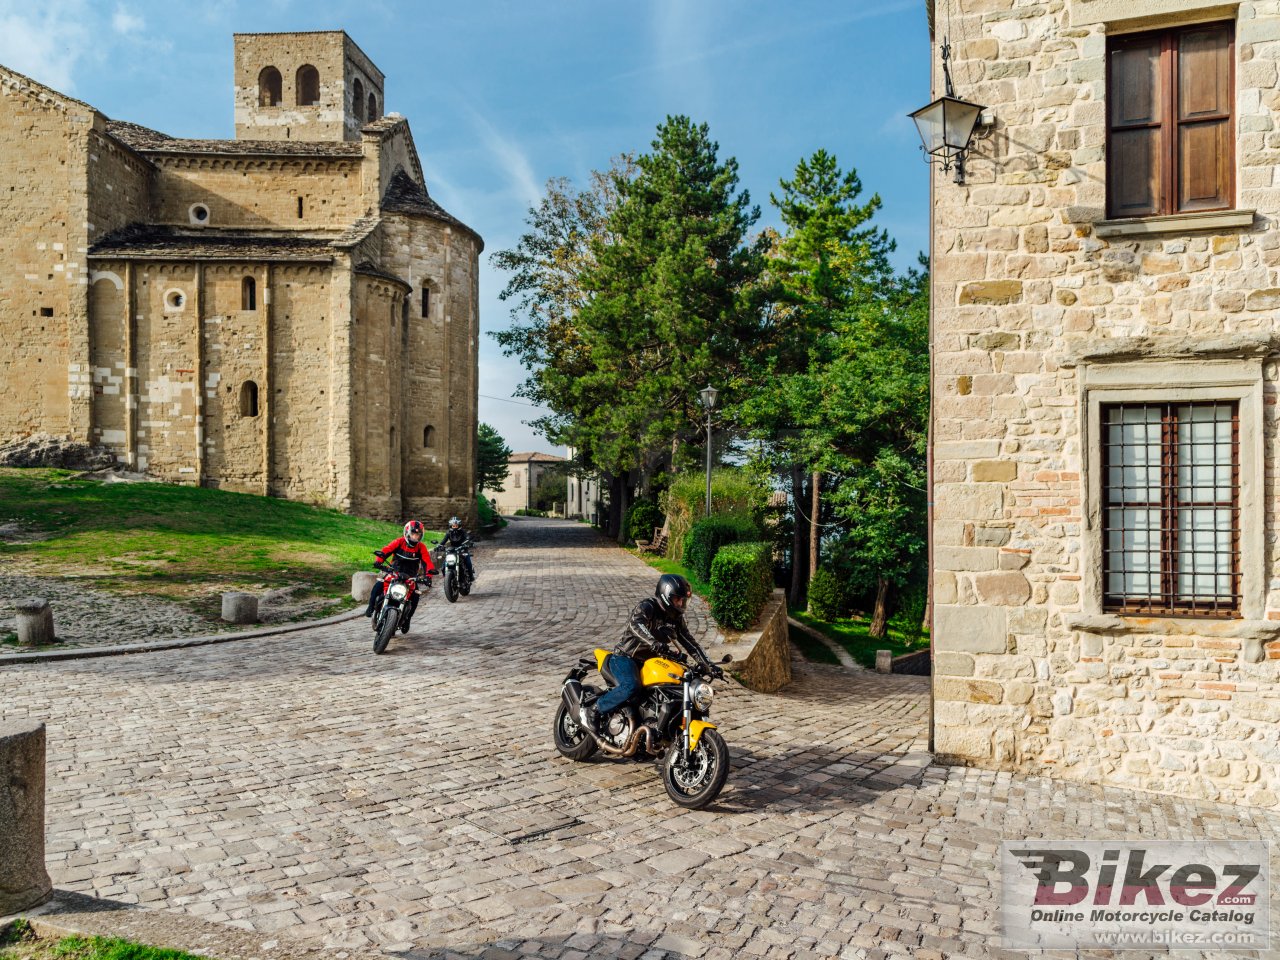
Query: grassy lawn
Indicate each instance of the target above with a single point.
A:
(663, 565)
(852, 634)
(18, 942)
(185, 544)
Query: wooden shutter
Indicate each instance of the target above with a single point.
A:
(1205, 133)
(1136, 112)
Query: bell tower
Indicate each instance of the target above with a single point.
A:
(316, 86)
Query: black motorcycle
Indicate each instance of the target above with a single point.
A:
(394, 605)
(456, 571)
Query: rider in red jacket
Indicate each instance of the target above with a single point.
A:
(408, 555)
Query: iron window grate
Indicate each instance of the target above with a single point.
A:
(1171, 509)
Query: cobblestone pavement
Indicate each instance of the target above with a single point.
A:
(413, 802)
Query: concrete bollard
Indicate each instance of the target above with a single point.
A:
(35, 622)
(362, 582)
(239, 608)
(24, 882)
(884, 661)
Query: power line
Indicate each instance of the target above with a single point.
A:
(536, 406)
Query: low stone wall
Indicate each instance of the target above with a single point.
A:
(762, 655)
(919, 664)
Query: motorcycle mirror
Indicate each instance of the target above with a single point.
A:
(727, 658)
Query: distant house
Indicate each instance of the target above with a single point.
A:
(524, 474)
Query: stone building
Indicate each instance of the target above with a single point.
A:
(1106, 336)
(285, 313)
(524, 474)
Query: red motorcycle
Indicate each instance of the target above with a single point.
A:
(394, 605)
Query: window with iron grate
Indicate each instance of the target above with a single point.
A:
(1171, 509)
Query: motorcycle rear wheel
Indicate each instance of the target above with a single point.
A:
(697, 785)
(385, 631)
(451, 586)
(571, 740)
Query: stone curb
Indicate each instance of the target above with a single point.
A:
(841, 653)
(68, 914)
(85, 653)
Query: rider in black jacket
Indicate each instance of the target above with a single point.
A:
(656, 629)
(456, 536)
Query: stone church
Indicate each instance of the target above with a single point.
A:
(285, 313)
(1106, 445)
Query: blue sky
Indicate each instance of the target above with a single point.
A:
(502, 95)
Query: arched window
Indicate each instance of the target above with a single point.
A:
(308, 85)
(428, 436)
(373, 108)
(426, 300)
(248, 294)
(248, 399)
(357, 99)
(269, 85)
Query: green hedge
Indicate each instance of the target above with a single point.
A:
(826, 595)
(741, 581)
(711, 533)
(733, 491)
(489, 518)
(643, 517)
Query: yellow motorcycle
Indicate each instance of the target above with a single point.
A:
(667, 718)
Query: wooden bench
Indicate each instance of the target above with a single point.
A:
(657, 545)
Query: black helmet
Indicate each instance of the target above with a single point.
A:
(672, 591)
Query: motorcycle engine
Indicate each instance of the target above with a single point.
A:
(618, 727)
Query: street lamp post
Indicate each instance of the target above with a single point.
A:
(708, 395)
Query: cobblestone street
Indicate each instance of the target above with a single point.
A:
(414, 802)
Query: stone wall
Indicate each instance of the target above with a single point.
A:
(761, 655)
(260, 192)
(442, 377)
(1042, 310)
(42, 239)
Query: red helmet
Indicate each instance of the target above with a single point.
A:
(413, 532)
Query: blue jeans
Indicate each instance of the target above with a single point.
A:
(627, 673)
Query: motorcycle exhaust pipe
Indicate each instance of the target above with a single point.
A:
(572, 693)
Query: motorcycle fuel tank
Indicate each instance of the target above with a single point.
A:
(658, 670)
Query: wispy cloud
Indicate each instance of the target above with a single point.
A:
(45, 41)
(126, 22)
(511, 159)
(672, 57)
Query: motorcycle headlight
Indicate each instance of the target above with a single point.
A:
(700, 693)
(451, 558)
(398, 591)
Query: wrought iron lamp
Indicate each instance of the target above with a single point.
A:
(947, 125)
(708, 395)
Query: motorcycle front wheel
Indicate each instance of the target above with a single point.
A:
(697, 783)
(571, 740)
(451, 586)
(385, 630)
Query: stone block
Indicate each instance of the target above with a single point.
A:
(944, 587)
(884, 661)
(24, 882)
(995, 471)
(969, 501)
(953, 664)
(966, 449)
(240, 607)
(1007, 588)
(984, 536)
(964, 558)
(1268, 300)
(972, 743)
(362, 582)
(991, 292)
(970, 629)
(1019, 692)
(35, 622)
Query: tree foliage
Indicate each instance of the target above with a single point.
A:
(492, 454)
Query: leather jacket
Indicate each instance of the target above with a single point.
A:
(653, 632)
